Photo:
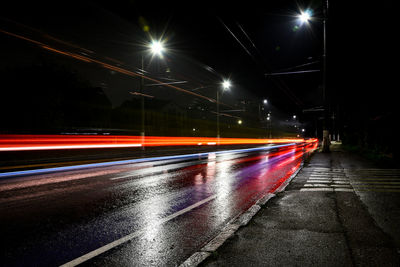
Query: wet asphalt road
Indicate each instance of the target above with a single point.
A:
(147, 213)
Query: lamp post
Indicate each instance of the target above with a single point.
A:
(156, 48)
(142, 132)
(305, 16)
(225, 86)
(264, 102)
(269, 125)
(325, 132)
(260, 116)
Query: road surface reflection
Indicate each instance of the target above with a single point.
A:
(146, 213)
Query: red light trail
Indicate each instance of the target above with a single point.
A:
(48, 142)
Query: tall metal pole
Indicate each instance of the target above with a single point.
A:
(325, 133)
(142, 133)
(217, 116)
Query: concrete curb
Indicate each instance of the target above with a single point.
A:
(233, 225)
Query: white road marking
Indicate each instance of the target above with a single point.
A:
(326, 185)
(126, 238)
(344, 189)
(327, 182)
(316, 189)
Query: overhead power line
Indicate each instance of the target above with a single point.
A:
(291, 72)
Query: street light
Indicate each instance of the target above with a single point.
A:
(260, 116)
(265, 101)
(303, 16)
(226, 84)
(156, 48)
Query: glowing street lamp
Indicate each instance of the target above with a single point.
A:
(305, 16)
(226, 84)
(156, 48)
(265, 102)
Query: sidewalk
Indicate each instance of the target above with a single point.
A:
(340, 210)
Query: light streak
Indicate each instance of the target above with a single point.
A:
(139, 160)
(51, 142)
(68, 147)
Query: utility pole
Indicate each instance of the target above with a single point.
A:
(142, 133)
(218, 117)
(325, 133)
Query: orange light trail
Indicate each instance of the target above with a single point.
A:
(49, 142)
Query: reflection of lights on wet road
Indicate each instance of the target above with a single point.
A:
(153, 212)
(205, 192)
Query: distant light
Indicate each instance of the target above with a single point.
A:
(157, 48)
(265, 101)
(303, 130)
(194, 129)
(305, 16)
(294, 116)
(268, 118)
(226, 84)
(239, 121)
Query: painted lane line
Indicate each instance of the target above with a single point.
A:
(327, 175)
(344, 190)
(327, 182)
(326, 185)
(327, 179)
(129, 237)
(328, 189)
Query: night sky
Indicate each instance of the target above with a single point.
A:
(240, 40)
